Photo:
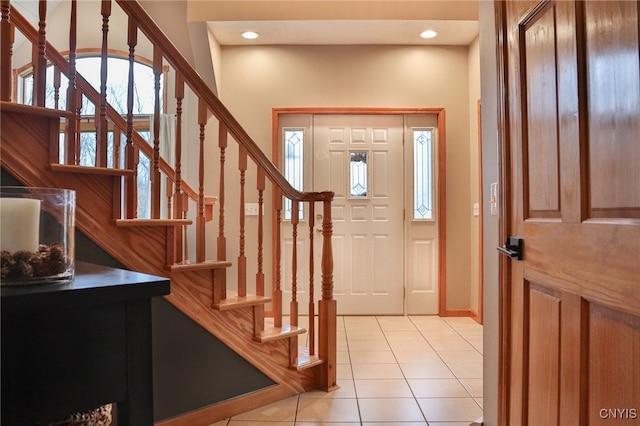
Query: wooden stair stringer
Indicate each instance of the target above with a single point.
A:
(25, 154)
(191, 294)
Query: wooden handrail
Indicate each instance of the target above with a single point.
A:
(198, 85)
(88, 90)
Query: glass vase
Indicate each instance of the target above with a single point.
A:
(37, 230)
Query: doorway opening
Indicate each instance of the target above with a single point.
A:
(387, 170)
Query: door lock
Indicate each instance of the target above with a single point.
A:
(513, 247)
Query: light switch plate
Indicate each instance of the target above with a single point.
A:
(251, 209)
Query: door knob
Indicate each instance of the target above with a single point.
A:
(512, 248)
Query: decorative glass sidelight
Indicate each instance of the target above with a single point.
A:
(293, 165)
(422, 174)
(358, 174)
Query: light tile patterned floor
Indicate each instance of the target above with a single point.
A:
(400, 371)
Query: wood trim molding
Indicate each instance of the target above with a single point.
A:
(94, 52)
(442, 184)
(480, 313)
(504, 219)
(229, 408)
(442, 215)
(462, 313)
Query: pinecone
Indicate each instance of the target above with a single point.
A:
(5, 271)
(56, 251)
(6, 258)
(39, 267)
(22, 256)
(24, 269)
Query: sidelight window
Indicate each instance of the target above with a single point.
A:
(423, 174)
(293, 166)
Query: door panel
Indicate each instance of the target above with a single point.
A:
(541, 161)
(367, 230)
(422, 245)
(613, 358)
(572, 121)
(544, 354)
(614, 152)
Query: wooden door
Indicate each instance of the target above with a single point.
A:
(360, 158)
(571, 182)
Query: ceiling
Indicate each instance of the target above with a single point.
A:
(329, 22)
(398, 32)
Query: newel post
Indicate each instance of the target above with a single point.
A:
(327, 305)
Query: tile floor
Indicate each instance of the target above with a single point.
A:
(392, 370)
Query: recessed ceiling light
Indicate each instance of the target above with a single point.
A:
(250, 35)
(428, 34)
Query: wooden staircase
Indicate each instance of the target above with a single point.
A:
(247, 316)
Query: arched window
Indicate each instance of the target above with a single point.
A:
(117, 85)
(117, 80)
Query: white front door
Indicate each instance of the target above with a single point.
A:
(360, 158)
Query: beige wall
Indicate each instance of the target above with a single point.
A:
(255, 80)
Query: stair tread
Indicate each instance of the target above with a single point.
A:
(153, 222)
(305, 360)
(233, 301)
(106, 171)
(271, 333)
(194, 266)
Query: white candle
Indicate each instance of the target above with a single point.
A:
(19, 224)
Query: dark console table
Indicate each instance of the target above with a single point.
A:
(74, 347)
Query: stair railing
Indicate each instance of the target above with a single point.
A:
(251, 160)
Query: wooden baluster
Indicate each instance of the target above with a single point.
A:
(40, 72)
(258, 310)
(72, 90)
(56, 88)
(295, 219)
(327, 306)
(131, 191)
(242, 259)
(312, 327)
(179, 197)
(185, 244)
(200, 219)
(78, 118)
(222, 144)
(6, 61)
(117, 141)
(260, 273)
(103, 128)
(169, 194)
(277, 291)
(155, 172)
